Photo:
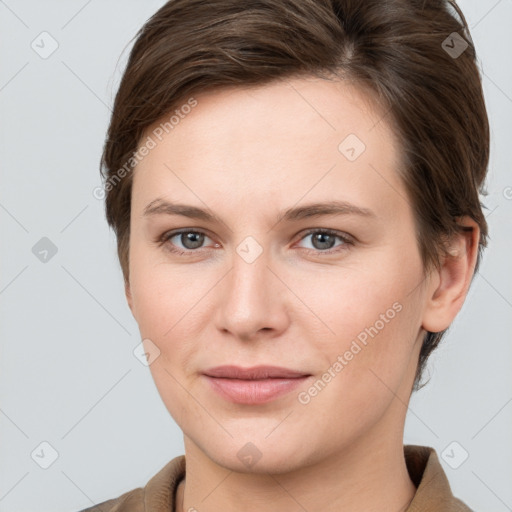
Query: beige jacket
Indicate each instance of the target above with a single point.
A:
(433, 493)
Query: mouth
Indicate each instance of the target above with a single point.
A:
(253, 386)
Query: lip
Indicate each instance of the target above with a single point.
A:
(256, 385)
(254, 372)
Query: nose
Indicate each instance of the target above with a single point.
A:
(252, 300)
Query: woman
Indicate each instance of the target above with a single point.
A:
(294, 186)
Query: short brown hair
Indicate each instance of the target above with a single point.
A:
(411, 56)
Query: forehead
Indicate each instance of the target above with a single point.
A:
(293, 109)
(282, 140)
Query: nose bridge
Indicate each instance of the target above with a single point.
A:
(249, 276)
(250, 298)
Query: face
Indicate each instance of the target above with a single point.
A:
(333, 291)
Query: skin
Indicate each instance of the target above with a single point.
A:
(247, 154)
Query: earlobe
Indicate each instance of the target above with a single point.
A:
(447, 293)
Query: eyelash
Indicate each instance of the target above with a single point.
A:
(347, 241)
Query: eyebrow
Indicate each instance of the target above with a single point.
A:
(160, 206)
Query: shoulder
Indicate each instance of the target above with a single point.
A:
(433, 490)
(131, 501)
(157, 495)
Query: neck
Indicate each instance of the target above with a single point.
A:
(370, 475)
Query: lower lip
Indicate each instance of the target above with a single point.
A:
(253, 392)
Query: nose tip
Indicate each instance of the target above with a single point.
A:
(250, 302)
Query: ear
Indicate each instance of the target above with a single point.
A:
(128, 294)
(448, 288)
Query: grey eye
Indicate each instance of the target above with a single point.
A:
(190, 239)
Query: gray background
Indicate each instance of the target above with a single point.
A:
(68, 376)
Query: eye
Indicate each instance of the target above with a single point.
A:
(323, 240)
(190, 241)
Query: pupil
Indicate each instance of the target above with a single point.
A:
(192, 240)
(321, 238)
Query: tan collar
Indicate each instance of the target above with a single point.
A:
(433, 492)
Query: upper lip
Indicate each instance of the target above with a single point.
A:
(255, 372)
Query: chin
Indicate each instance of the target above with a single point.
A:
(257, 456)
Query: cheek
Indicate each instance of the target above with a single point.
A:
(373, 318)
(364, 365)
(163, 294)
(169, 307)
(350, 301)
(164, 301)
